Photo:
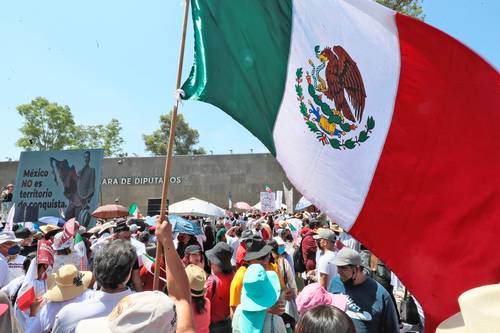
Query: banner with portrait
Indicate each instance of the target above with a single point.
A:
(62, 183)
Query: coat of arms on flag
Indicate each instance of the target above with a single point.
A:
(336, 125)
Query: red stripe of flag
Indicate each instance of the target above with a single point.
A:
(435, 199)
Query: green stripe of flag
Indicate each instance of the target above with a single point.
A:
(132, 209)
(241, 56)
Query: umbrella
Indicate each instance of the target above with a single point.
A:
(110, 212)
(242, 205)
(150, 220)
(181, 225)
(194, 206)
(54, 220)
(302, 204)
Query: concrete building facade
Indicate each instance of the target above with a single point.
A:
(208, 177)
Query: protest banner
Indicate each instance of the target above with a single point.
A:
(50, 181)
(267, 202)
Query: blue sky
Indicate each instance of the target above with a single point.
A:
(118, 59)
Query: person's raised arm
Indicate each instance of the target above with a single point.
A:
(177, 281)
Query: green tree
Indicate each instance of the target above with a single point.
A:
(185, 138)
(408, 7)
(49, 126)
(106, 137)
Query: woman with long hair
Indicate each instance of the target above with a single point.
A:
(199, 302)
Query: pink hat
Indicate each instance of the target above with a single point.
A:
(314, 294)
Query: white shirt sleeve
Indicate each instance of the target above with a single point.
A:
(291, 279)
(4, 272)
(33, 325)
(326, 266)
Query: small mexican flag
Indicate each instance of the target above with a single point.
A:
(383, 122)
(134, 211)
(79, 247)
(148, 263)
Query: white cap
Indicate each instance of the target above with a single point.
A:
(148, 311)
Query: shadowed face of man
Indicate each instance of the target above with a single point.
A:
(86, 158)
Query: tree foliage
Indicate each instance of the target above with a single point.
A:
(106, 137)
(50, 126)
(408, 7)
(185, 138)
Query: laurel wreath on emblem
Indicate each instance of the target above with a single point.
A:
(332, 125)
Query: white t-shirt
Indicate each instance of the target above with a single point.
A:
(61, 260)
(16, 267)
(4, 271)
(325, 264)
(100, 305)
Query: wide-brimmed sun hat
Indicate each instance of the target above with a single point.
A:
(261, 290)
(256, 248)
(314, 294)
(480, 312)
(220, 255)
(49, 228)
(67, 283)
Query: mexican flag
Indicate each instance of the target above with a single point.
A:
(372, 115)
(134, 211)
(148, 263)
(79, 247)
(27, 294)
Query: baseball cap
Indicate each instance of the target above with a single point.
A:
(197, 277)
(327, 234)
(144, 312)
(347, 256)
(192, 249)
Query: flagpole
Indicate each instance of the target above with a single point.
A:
(173, 121)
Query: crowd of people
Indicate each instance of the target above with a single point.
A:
(247, 272)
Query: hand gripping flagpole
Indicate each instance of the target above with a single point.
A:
(170, 147)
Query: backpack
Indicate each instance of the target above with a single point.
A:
(298, 259)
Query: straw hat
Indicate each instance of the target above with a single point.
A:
(67, 283)
(45, 229)
(480, 312)
(336, 228)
